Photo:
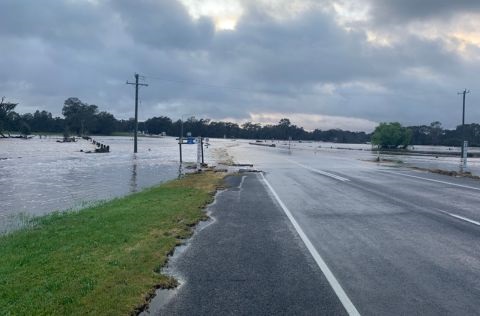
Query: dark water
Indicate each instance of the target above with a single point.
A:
(38, 176)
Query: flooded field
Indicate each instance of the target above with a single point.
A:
(38, 176)
(364, 152)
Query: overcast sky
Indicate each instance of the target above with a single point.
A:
(324, 64)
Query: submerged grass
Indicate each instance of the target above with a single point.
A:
(105, 259)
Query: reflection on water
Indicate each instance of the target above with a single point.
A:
(133, 179)
(180, 170)
(38, 176)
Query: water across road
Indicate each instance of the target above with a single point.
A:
(396, 241)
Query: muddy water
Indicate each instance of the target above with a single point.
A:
(38, 176)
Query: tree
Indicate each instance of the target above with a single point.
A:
(157, 125)
(251, 130)
(436, 131)
(391, 135)
(6, 112)
(284, 125)
(105, 123)
(79, 116)
(42, 121)
(25, 129)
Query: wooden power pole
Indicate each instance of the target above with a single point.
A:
(136, 83)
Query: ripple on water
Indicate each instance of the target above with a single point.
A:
(55, 176)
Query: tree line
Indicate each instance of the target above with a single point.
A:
(80, 118)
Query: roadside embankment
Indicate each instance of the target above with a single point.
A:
(425, 153)
(102, 260)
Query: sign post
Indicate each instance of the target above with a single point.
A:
(465, 154)
(199, 153)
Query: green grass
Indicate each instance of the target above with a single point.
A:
(103, 260)
(122, 134)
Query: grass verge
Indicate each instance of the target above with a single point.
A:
(465, 174)
(103, 260)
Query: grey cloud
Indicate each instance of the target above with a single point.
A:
(74, 23)
(388, 11)
(164, 24)
(266, 65)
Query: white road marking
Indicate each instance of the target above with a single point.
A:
(471, 221)
(328, 174)
(432, 180)
(346, 302)
(241, 182)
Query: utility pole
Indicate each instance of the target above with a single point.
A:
(463, 159)
(136, 109)
(180, 138)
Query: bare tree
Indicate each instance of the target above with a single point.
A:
(6, 109)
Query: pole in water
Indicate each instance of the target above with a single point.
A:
(180, 139)
(180, 147)
(137, 84)
(201, 142)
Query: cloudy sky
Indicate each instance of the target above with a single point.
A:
(322, 63)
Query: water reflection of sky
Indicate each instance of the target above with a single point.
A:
(40, 175)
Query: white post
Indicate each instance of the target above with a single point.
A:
(199, 153)
(464, 158)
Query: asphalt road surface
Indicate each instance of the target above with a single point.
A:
(397, 241)
(328, 233)
(249, 261)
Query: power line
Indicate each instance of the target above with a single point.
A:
(213, 85)
(286, 92)
(137, 84)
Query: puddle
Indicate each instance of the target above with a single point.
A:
(163, 296)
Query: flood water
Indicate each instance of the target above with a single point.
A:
(38, 176)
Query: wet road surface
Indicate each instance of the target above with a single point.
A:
(399, 242)
(249, 261)
(329, 233)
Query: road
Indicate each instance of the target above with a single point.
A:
(247, 261)
(396, 241)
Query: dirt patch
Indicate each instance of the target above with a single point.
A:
(449, 173)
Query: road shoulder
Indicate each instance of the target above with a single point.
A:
(250, 260)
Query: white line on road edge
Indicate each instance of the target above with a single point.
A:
(432, 180)
(328, 174)
(471, 221)
(346, 302)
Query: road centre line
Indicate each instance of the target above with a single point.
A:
(337, 288)
(328, 174)
(471, 221)
(432, 180)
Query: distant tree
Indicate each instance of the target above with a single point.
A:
(157, 125)
(26, 118)
(126, 125)
(25, 129)
(391, 135)
(284, 126)
(217, 129)
(79, 116)
(472, 134)
(436, 132)
(105, 123)
(251, 130)
(6, 113)
(42, 121)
